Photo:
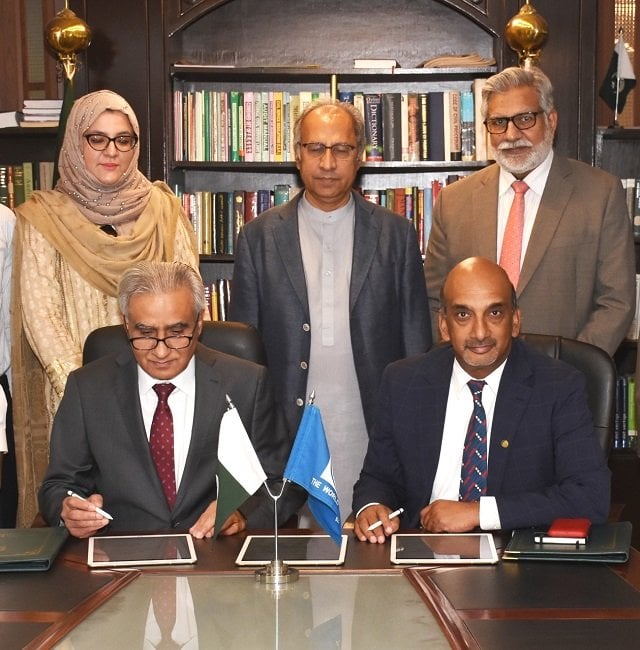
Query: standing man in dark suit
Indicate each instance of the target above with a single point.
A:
(523, 415)
(101, 443)
(335, 286)
(575, 270)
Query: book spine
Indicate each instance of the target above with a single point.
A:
(280, 194)
(424, 133)
(248, 127)
(467, 126)
(220, 221)
(294, 113)
(4, 185)
(272, 126)
(373, 127)
(482, 152)
(435, 125)
(250, 205)
(455, 139)
(264, 200)
(257, 126)
(18, 185)
(278, 126)
(265, 126)
(404, 126)
(413, 108)
(229, 224)
(632, 429)
(27, 169)
(238, 219)
(391, 126)
(234, 151)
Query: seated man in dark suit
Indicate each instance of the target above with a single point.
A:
(103, 442)
(481, 432)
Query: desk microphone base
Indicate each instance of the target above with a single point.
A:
(277, 573)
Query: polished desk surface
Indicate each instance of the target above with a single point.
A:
(367, 603)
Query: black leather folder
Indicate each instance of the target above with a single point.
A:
(606, 543)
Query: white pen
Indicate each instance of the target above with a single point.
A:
(100, 511)
(394, 514)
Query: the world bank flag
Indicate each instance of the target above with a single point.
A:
(310, 467)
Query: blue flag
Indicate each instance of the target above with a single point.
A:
(310, 467)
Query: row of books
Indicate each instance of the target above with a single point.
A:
(625, 433)
(17, 182)
(633, 334)
(218, 216)
(257, 126)
(217, 297)
(234, 126)
(632, 190)
(443, 125)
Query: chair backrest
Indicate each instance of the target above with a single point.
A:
(238, 339)
(600, 372)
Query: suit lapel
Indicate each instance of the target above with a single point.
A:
(513, 399)
(556, 195)
(209, 401)
(431, 391)
(284, 233)
(365, 242)
(128, 399)
(484, 208)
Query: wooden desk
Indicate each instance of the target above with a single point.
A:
(510, 605)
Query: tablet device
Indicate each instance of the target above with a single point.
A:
(140, 550)
(445, 548)
(298, 550)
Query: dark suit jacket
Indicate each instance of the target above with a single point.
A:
(578, 274)
(387, 302)
(99, 444)
(544, 459)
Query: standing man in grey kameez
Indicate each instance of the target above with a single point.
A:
(335, 286)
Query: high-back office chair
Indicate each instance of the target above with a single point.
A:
(600, 372)
(238, 339)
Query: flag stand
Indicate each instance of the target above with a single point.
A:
(277, 572)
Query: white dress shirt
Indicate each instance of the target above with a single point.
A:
(536, 180)
(446, 484)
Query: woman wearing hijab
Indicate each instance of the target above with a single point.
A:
(71, 246)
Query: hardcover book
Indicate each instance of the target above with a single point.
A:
(391, 126)
(30, 549)
(373, 127)
(435, 125)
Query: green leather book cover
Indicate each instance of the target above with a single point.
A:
(606, 543)
(30, 549)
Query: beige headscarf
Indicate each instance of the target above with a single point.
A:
(101, 204)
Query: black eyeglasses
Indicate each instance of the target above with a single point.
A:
(100, 141)
(521, 121)
(340, 150)
(151, 342)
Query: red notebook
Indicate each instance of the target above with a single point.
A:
(569, 528)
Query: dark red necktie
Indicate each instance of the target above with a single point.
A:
(161, 442)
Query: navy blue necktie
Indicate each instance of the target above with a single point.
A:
(473, 476)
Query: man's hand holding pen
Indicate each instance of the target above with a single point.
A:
(376, 522)
(82, 516)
